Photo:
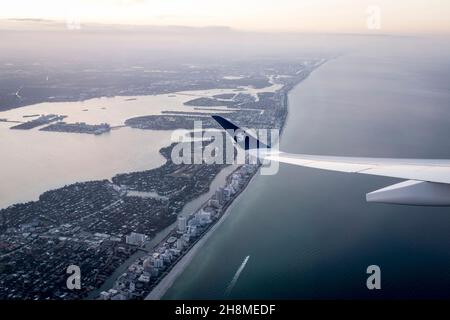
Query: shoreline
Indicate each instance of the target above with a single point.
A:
(158, 292)
(167, 281)
(161, 235)
(160, 286)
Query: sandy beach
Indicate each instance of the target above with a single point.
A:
(161, 288)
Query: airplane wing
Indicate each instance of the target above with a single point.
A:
(428, 181)
(411, 169)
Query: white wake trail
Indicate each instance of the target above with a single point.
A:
(236, 276)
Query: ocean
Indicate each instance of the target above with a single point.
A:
(310, 234)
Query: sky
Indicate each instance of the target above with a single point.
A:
(334, 16)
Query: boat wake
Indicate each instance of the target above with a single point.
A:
(236, 277)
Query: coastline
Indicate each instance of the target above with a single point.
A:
(163, 234)
(165, 283)
(101, 223)
(158, 292)
(129, 264)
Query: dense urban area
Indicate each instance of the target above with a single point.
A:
(99, 225)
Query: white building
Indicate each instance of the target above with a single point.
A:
(186, 238)
(159, 263)
(214, 203)
(112, 292)
(192, 230)
(180, 244)
(144, 278)
(227, 192)
(220, 197)
(148, 262)
(204, 217)
(182, 223)
(104, 295)
(135, 239)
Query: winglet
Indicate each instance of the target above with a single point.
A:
(224, 123)
(248, 142)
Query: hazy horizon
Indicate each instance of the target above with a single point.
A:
(320, 16)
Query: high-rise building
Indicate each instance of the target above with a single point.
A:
(227, 193)
(136, 239)
(214, 203)
(167, 257)
(194, 221)
(159, 263)
(154, 272)
(220, 195)
(180, 244)
(148, 263)
(192, 230)
(182, 224)
(203, 217)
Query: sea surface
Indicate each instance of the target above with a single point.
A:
(310, 233)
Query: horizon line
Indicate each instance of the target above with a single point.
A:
(46, 25)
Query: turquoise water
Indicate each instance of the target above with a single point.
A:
(310, 233)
